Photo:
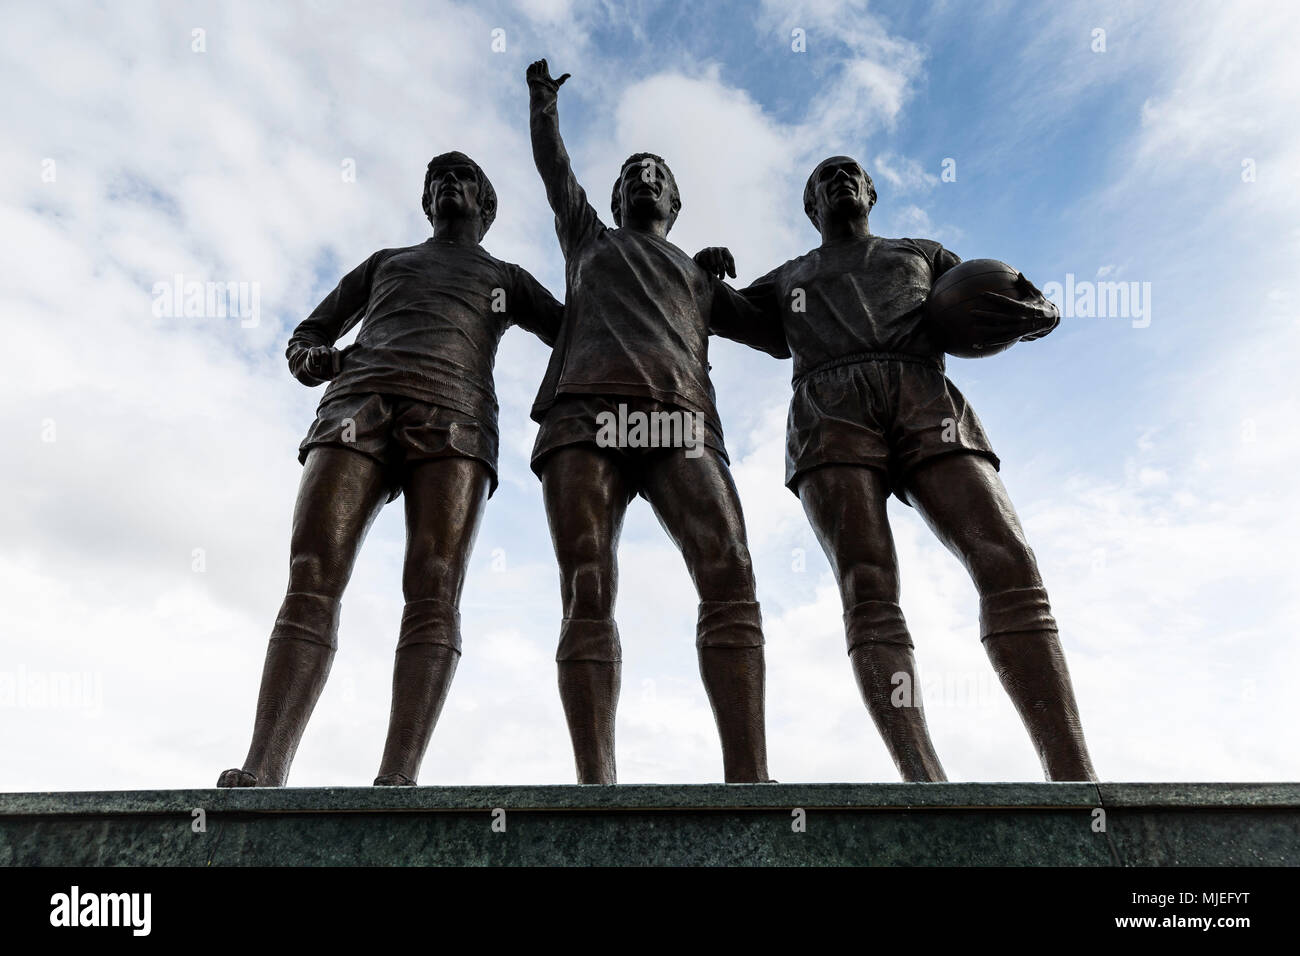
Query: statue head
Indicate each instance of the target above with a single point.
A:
(646, 186)
(838, 188)
(455, 187)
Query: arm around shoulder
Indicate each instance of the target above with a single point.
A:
(751, 316)
(533, 308)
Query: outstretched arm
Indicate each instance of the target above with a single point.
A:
(752, 316)
(575, 218)
(312, 357)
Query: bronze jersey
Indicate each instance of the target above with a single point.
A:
(850, 297)
(431, 318)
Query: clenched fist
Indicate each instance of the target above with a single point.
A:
(315, 365)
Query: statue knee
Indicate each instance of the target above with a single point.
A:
(729, 624)
(1002, 565)
(587, 588)
(316, 573)
(589, 639)
(430, 621)
(725, 574)
(309, 617)
(875, 622)
(1015, 611)
(863, 580)
(432, 578)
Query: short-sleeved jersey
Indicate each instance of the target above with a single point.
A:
(431, 318)
(638, 310)
(852, 296)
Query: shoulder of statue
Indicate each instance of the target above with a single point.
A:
(513, 269)
(811, 257)
(379, 255)
(928, 246)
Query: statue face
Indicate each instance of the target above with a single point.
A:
(842, 191)
(453, 192)
(645, 191)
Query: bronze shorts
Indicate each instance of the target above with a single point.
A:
(891, 415)
(572, 420)
(398, 431)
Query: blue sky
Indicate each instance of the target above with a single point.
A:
(152, 466)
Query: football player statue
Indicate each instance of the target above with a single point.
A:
(637, 317)
(411, 408)
(873, 413)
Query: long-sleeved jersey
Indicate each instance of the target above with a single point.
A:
(431, 318)
(844, 298)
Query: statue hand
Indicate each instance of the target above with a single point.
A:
(1028, 317)
(716, 261)
(320, 363)
(539, 76)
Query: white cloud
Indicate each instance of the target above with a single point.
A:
(870, 72)
(906, 174)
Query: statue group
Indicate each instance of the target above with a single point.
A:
(410, 410)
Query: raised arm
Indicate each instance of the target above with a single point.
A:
(532, 308)
(752, 316)
(312, 357)
(575, 219)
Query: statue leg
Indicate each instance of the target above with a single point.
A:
(586, 498)
(339, 496)
(696, 502)
(445, 500)
(845, 505)
(964, 501)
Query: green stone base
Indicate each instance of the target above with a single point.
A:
(959, 824)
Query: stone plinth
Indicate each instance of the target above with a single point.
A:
(842, 824)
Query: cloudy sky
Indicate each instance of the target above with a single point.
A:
(150, 459)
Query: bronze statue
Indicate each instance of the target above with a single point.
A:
(411, 408)
(873, 413)
(634, 342)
